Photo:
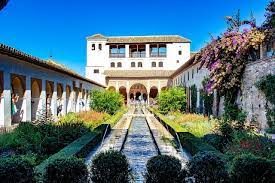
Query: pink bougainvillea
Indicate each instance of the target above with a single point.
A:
(227, 55)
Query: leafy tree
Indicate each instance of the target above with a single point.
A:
(172, 99)
(193, 98)
(106, 101)
(269, 23)
(3, 3)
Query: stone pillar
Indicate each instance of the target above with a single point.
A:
(73, 98)
(128, 97)
(117, 87)
(127, 51)
(64, 100)
(7, 98)
(42, 105)
(198, 99)
(147, 50)
(54, 100)
(28, 107)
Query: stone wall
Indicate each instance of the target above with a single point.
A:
(251, 99)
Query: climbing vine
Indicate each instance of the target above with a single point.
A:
(193, 98)
(267, 86)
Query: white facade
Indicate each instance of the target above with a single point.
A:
(39, 86)
(110, 53)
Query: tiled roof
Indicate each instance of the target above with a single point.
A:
(186, 65)
(143, 39)
(12, 52)
(138, 73)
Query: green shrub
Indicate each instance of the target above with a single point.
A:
(252, 169)
(194, 144)
(226, 130)
(208, 167)
(66, 170)
(215, 140)
(110, 166)
(16, 169)
(106, 101)
(172, 99)
(163, 167)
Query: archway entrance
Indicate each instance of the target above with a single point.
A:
(153, 94)
(68, 99)
(35, 94)
(59, 98)
(138, 92)
(18, 100)
(122, 91)
(49, 96)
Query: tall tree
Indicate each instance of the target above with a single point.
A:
(3, 3)
(269, 23)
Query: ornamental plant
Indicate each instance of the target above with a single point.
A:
(106, 101)
(227, 55)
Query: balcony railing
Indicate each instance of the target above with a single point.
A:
(117, 55)
(138, 55)
(160, 54)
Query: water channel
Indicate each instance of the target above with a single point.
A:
(139, 146)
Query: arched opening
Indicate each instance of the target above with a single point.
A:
(35, 94)
(82, 102)
(49, 95)
(112, 64)
(17, 97)
(112, 88)
(132, 96)
(122, 91)
(68, 99)
(139, 91)
(77, 100)
(119, 64)
(153, 95)
(59, 98)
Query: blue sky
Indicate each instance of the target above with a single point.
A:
(60, 27)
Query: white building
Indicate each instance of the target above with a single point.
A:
(30, 85)
(134, 53)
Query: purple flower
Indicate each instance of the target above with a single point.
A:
(234, 41)
(228, 67)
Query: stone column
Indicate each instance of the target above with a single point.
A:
(147, 50)
(54, 100)
(198, 99)
(28, 107)
(73, 98)
(128, 97)
(7, 98)
(127, 51)
(43, 94)
(64, 99)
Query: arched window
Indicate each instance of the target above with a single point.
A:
(112, 64)
(119, 64)
(160, 64)
(154, 64)
(139, 64)
(93, 46)
(100, 46)
(133, 64)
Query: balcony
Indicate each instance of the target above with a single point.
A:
(156, 54)
(138, 55)
(117, 55)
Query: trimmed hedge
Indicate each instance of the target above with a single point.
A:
(252, 169)
(66, 170)
(110, 166)
(79, 148)
(16, 169)
(164, 167)
(208, 167)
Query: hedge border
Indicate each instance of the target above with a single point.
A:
(79, 148)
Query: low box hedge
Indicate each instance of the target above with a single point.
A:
(79, 148)
(116, 117)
